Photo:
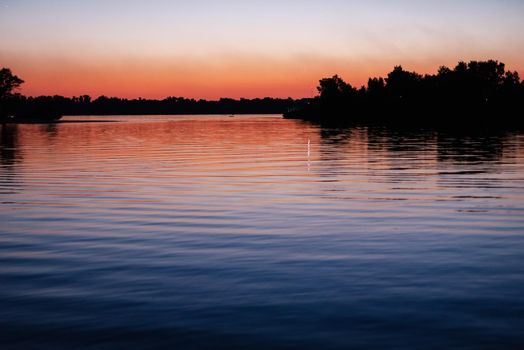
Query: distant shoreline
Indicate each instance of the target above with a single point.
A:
(474, 94)
(62, 121)
(105, 106)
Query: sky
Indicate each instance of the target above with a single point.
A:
(251, 48)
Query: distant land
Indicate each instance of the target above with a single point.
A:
(478, 93)
(16, 107)
(84, 105)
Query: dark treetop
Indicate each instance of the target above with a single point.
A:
(471, 94)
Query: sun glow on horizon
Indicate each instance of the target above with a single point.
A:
(212, 49)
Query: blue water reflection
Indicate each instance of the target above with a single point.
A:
(213, 232)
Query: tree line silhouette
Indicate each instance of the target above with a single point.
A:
(470, 94)
(49, 108)
(84, 105)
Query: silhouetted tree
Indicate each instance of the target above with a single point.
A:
(376, 90)
(402, 84)
(376, 86)
(334, 88)
(8, 83)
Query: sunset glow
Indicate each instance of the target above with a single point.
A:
(212, 49)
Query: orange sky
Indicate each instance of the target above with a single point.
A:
(232, 48)
(248, 78)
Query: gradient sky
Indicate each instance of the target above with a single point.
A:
(250, 48)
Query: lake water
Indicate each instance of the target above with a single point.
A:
(257, 232)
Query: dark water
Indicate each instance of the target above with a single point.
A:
(233, 233)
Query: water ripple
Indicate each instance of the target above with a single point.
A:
(254, 232)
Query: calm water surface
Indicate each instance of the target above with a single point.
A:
(216, 232)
